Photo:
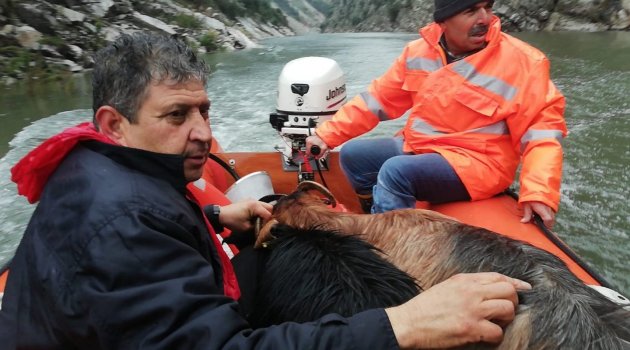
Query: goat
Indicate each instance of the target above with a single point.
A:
(560, 312)
(306, 274)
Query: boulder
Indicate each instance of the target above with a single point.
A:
(49, 51)
(71, 16)
(100, 8)
(210, 23)
(8, 39)
(583, 10)
(562, 22)
(89, 26)
(66, 65)
(152, 23)
(7, 81)
(621, 20)
(110, 33)
(7, 29)
(37, 15)
(28, 37)
(87, 61)
(121, 7)
(239, 40)
(71, 52)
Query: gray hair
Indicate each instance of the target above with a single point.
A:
(124, 69)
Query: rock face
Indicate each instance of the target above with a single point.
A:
(516, 15)
(65, 33)
(305, 16)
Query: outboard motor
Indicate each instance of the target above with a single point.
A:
(310, 91)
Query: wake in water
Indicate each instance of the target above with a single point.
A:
(15, 211)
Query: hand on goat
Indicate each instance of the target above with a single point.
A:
(240, 216)
(463, 309)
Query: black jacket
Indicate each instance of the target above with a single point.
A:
(116, 257)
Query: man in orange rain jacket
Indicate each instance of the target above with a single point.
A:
(479, 101)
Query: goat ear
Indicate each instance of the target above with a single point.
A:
(264, 234)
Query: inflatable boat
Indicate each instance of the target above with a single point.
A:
(310, 90)
(500, 214)
(227, 173)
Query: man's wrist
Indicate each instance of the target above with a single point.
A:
(400, 327)
(212, 213)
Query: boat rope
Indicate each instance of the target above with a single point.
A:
(538, 221)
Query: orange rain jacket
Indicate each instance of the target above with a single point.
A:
(481, 113)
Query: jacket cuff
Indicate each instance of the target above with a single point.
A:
(372, 330)
(325, 137)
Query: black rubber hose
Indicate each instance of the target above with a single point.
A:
(225, 166)
(321, 174)
(315, 150)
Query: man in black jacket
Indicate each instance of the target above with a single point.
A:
(118, 256)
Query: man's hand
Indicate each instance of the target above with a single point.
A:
(543, 210)
(466, 308)
(316, 141)
(240, 216)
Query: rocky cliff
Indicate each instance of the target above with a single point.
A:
(304, 15)
(516, 15)
(41, 38)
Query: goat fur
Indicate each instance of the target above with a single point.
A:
(306, 274)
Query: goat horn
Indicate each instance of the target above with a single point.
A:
(306, 186)
(264, 234)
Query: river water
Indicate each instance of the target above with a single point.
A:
(591, 69)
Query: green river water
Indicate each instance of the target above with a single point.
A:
(591, 69)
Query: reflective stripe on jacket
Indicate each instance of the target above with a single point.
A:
(482, 113)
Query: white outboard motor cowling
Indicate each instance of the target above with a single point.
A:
(311, 86)
(310, 91)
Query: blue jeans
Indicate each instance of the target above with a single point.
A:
(398, 179)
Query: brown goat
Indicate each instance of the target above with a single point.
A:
(560, 312)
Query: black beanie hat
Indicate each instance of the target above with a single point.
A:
(445, 9)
